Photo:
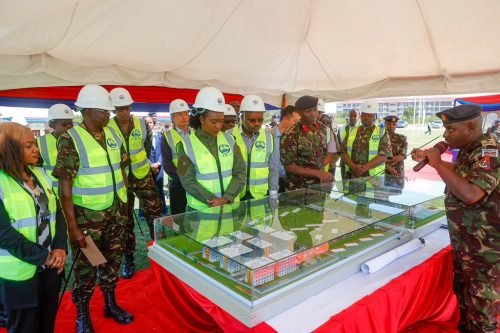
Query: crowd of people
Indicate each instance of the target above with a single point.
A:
(81, 181)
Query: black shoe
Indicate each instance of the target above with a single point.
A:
(112, 310)
(128, 266)
(83, 323)
(3, 317)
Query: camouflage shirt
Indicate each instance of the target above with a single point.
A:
(360, 145)
(479, 163)
(305, 147)
(399, 146)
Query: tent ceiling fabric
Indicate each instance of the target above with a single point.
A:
(337, 49)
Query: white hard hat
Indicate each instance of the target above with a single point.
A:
(321, 105)
(252, 103)
(60, 111)
(178, 105)
(370, 106)
(93, 96)
(120, 97)
(210, 98)
(229, 111)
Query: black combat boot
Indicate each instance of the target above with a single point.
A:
(112, 310)
(3, 317)
(128, 266)
(83, 323)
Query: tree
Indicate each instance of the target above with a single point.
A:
(408, 113)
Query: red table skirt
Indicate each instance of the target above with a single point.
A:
(421, 300)
(194, 311)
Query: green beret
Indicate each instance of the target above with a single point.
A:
(391, 119)
(459, 113)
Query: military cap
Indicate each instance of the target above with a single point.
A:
(459, 113)
(306, 102)
(391, 118)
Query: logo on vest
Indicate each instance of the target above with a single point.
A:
(224, 149)
(111, 143)
(260, 145)
(375, 138)
(135, 133)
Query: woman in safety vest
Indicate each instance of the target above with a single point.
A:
(32, 235)
(211, 167)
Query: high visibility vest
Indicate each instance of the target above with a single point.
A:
(258, 212)
(99, 176)
(48, 149)
(214, 177)
(257, 161)
(139, 163)
(211, 222)
(22, 213)
(173, 138)
(372, 148)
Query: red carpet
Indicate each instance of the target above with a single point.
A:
(139, 295)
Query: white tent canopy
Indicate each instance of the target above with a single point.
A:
(336, 49)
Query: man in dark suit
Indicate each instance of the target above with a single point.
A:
(156, 163)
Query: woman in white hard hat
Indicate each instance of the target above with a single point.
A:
(60, 120)
(211, 167)
(33, 235)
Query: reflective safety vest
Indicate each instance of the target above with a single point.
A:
(21, 209)
(139, 163)
(173, 138)
(258, 212)
(344, 132)
(99, 176)
(257, 161)
(212, 175)
(48, 149)
(372, 148)
(211, 222)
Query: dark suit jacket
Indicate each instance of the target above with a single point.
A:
(156, 154)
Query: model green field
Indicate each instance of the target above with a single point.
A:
(190, 251)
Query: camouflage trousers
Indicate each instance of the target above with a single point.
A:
(107, 230)
(149, 201)
(476, 283)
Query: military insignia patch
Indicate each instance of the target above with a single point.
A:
(492, 152)
(484, 163)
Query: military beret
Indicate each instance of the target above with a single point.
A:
(459, 113)
(306, 102)
(391, 119)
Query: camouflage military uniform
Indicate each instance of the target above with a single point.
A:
(146, 192)
(475, 238)
(106, 228)
(399, 146)
(305, 147)
(360, 146)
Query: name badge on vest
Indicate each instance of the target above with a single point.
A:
(491, 152)
(111, 143)
(224, 149)
(260, 145)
